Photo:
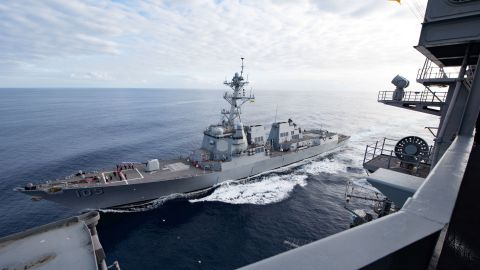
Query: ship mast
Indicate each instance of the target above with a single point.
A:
(235, 99)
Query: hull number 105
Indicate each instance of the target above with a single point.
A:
(89, 192)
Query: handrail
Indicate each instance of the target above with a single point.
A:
(372, 152)
(430, 129)
(414, 96)
(428, 71)
(435, 73)
(434, 94)
(426, 213)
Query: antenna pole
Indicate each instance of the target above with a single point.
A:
(235, 99)
(241, 73)
(276, 110)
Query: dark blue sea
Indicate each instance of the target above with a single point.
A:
(49, 133)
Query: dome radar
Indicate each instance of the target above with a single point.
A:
(400, 83)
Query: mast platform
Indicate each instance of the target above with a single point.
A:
(382, 155)
(431, 75)
(425, 101)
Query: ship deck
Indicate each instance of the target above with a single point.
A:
(56, 245)
(308, 135)
(395, 164)
(130, 173)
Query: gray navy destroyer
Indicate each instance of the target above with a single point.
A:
(230, 151)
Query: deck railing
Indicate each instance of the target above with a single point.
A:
(431, 71)
(386, 147)
(436, 73)
(394, 239)
(414, 96)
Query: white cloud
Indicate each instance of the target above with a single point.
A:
(195, 43)
(92, 75)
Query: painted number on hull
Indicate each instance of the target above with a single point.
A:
(89, 192)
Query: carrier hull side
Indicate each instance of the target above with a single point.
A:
(102, 197)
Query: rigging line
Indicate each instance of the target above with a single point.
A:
(419, 7)
(276, 111)
(412, 10)
(413, 7)
(423, 6)
(417, 11)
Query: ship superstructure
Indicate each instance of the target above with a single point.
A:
(434, 188)
(230, 150)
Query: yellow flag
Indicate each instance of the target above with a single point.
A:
(398, 1)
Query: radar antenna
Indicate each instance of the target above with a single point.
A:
(241, 72)
(235, 99)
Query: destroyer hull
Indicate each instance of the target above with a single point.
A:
(131, 192)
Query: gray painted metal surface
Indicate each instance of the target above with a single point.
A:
(398, 187)
(427, 212)
(66, 244)
(426, 101)
(229, 151)
(108, 195)
(472, 108)
(453, 112)
(450, 37)
(448, 27)
(383, 154)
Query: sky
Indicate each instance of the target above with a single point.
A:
(287, 45)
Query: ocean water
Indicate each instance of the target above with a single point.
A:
(49, 133)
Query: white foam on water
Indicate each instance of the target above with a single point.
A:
(266, 190)
(154, 203)
(327, 165)
(262, 189)
(142, 207)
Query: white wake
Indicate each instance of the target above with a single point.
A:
(265, 190)
(270, 187)
(326, 165)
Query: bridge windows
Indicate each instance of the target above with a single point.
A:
(258, 140)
